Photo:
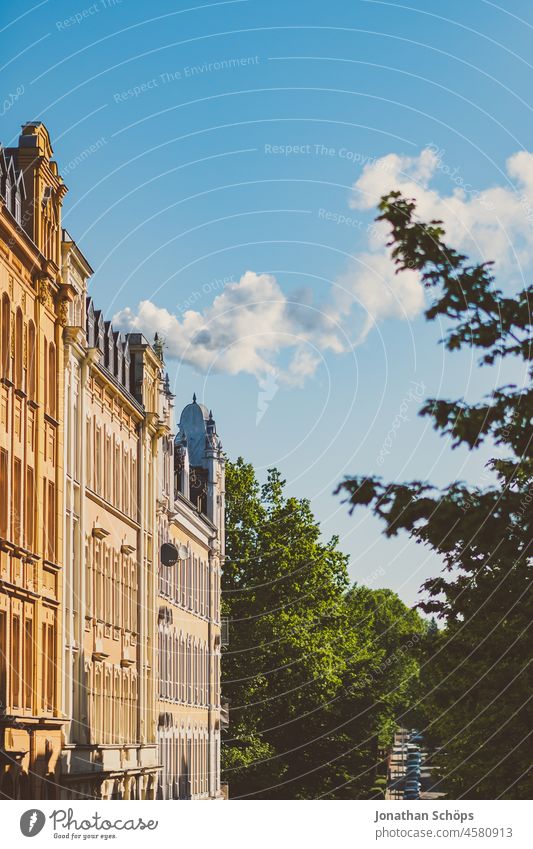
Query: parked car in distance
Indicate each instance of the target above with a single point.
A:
(411, 794)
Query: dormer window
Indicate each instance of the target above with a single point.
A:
(47, 194)
(99, 331)
(18, 207)
(118, 351)
(9, 193)
(90, 323)
(108, 346)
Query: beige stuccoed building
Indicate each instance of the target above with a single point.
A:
(111, 531)
(33, 304)
(141, 656)
(112, 430)
(191, 518)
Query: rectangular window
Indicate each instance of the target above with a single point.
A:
(116, 712)
(175, 671)
(52, 377)
(31, 429)
(116, 494)
(98, 704)
(98, 462)
(108, 587)
(98, 595)
(133, 584)
(15, 662)
(17, 494)
(50, 514)
(89, 578)
(125, 466)
(50, 678)
(108, 469)
(3, 659)
(48, 666)
(75, 436)
(183, 582)
(133, 490)
(189, 673)
(30, 508)
(89, 455)
(117, 616)
(4, 501)
(127, 596)
(45, 371)
(28, 663)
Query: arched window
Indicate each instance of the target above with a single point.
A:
(19, 330)
(32, 354)
(52, 379)
(45, 361)
(6, 322)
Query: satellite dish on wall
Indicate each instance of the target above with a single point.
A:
(183, 552)
(169, 554)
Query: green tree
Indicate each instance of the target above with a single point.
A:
(310, 666)
(478, 677)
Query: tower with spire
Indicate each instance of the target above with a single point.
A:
(190, 716)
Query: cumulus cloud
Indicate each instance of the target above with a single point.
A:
(372, 284)
(256, 327)
(494, 223)
(252, 324)
(244, 330)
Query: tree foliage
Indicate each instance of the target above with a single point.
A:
(478, 676)
(314, 672)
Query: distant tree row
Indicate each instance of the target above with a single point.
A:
(317, 674)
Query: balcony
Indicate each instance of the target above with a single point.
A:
(100, 651)
(128, 654)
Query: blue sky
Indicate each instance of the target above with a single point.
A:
(224, 161)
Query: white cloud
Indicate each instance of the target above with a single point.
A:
(244, 330)
(254, 325)
(488, 224)
(371, 282)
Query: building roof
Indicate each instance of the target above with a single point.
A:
(195, 426)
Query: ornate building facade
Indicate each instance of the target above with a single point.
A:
(112, 387)
(191, 519)
(33, 309)
(109, 645)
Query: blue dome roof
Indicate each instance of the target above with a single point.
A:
(193, 427)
